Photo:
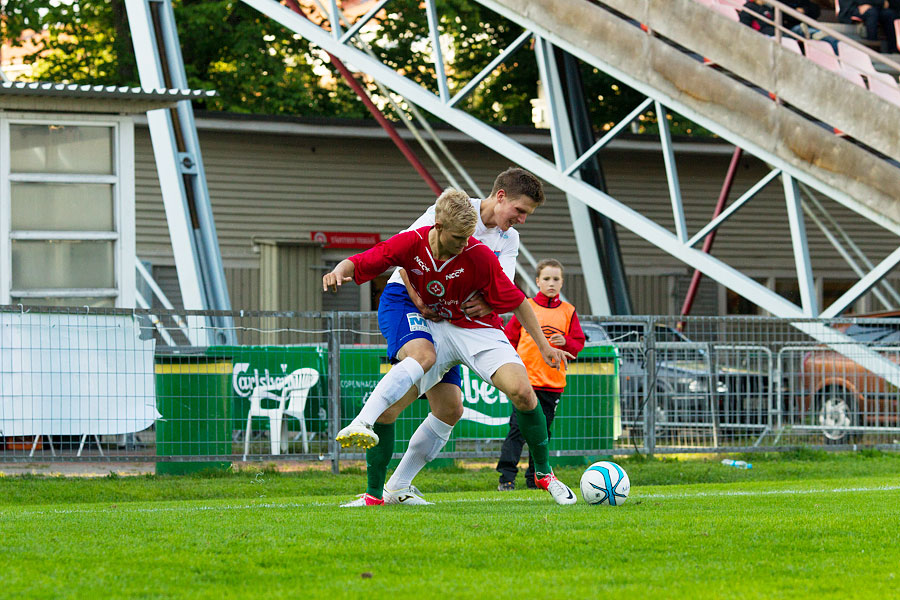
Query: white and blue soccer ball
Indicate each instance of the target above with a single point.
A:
(605, 482)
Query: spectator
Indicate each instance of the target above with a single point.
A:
(811, 10)
(559, 324)
(749, 17)
(871, 13)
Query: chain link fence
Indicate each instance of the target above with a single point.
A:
(193, 389)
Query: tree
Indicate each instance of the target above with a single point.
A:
(258, 66)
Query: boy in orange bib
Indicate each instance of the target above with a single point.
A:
(560, 326)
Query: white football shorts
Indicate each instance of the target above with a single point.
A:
(483, 350)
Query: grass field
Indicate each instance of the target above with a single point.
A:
(801, 525)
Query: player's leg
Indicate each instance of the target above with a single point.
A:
(512, 380)
(445, 400)
(411, 345)
(378, 457)
(510, 454)
(548, 401)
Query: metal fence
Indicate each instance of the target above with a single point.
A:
(195, 389)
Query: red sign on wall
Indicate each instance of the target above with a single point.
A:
(345, 239)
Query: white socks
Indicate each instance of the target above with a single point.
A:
(425, 444)
(402, 376)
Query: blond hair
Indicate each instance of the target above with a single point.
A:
(454, 210)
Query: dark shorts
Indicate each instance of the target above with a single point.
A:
(400, 322)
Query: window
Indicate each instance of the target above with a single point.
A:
(67, 210)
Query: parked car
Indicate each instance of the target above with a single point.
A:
(684, 379)
(839, 393)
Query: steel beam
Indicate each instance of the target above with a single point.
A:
(179, 164)
(564, 152)
(801, 248)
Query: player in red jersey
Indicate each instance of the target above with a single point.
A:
(446, 267)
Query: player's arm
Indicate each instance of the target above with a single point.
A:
(367, 265)
(417, 299)
(552, 356)
(341, 274)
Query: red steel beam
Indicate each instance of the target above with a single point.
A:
(708, 242)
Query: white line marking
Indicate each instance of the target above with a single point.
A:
(494, 499)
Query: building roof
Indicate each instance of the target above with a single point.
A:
(71, 97)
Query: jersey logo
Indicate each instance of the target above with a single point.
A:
(422, 264)
(416, 322)
(549, 331)
(455, 273)
(435, 288)
(417, 272)
(444, 312)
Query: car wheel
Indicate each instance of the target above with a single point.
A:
(836, 410)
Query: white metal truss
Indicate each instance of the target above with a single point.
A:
(563, 174)
(179, 164)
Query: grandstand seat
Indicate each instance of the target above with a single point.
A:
(885, 86)
(851, 74)
(791, 44)
(855, 58)
(897, 32)
(290, 396)
(822, 54)
(726, 11)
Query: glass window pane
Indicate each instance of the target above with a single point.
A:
(73, 301)
(62, 264)
(62, 207)
(61, 149)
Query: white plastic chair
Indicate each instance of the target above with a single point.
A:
(302, 380)
(294, 389)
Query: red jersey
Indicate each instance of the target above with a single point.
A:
(443, 285)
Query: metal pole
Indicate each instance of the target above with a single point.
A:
(650, 407)
(708, 242)
(334, 389)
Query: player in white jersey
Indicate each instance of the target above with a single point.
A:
(446, 267)
(515, 195)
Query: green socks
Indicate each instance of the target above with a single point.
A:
(533, 425)
(379, 457)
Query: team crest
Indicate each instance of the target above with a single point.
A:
(435, 288)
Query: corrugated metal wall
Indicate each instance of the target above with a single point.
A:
(290, 276)
(280, 185)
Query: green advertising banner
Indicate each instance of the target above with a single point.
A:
(587, 417)
(254, 366)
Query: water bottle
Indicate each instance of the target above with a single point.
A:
(737, 464)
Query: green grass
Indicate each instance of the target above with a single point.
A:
(800, 525)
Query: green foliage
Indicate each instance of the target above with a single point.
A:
(258, 66)
(87, 41)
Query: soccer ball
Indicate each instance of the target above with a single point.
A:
(605, 483)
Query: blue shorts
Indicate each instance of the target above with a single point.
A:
(400, 321)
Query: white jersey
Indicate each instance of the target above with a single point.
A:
(504, 244)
